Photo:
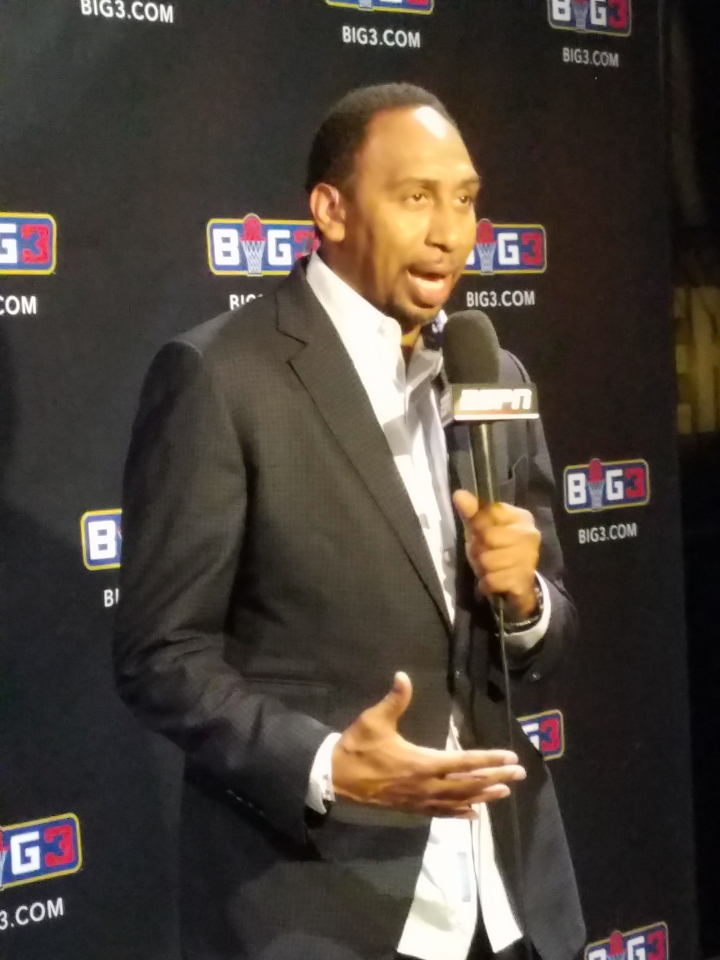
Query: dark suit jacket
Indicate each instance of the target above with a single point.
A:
(274, 578)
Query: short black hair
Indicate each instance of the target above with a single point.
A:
(341, 134)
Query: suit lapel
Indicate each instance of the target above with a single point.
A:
(329, 376)
(462, 469)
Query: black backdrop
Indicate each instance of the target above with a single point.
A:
(133, 133)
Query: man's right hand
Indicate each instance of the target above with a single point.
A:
(373, 764)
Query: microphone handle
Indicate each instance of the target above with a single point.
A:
(485, 476)
(483, 458)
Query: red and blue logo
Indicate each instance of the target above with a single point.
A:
(28, 243)
(39, 850)
(101, 538)
(253, 247)
(645, 943)
(610, 17)
(607, 485)
(508, 248)
(386, 6)
(546, 732)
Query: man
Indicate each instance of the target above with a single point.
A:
(290, 547)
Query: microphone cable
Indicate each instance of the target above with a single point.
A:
(498, 607)
(515, 817)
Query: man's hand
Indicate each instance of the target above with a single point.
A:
(502, 545)
(372, 763)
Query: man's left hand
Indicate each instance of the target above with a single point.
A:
(502, 545)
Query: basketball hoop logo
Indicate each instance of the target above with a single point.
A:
(486, 245)
(253, 244)
(596, 483)
(581, 8)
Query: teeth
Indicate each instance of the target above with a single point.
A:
(431, 287)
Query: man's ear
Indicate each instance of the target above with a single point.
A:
(328, 210)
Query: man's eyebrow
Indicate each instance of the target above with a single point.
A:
(429, 183)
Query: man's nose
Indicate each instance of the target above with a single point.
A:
(444, 229)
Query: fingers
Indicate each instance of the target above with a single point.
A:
(500, 537)
(464, 811)
(510, 582)
(502, 546)
(454, 797)
(396, 702)
(464, 787)
(459, 800)
(471, 761)
(479, 514)
(465, 778)
(466, 505)
(493, 561)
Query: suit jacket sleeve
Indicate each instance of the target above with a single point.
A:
(184, 510)
(536, 492)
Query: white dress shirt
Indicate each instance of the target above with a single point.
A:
(458, 868)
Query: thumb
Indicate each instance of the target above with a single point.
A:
(466, 505)
(395, 703)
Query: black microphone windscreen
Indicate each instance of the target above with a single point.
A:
(470, 347)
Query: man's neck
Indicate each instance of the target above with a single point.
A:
(409, 335)
(407, 343)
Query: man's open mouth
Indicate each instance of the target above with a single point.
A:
(430, 287)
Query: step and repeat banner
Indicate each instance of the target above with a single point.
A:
(151, 168)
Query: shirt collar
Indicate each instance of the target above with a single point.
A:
(358, 322)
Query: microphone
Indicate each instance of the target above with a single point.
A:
(471, 355)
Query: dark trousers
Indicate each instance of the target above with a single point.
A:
(481, 950)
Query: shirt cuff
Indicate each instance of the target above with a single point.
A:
(320, 786)
(524, 640)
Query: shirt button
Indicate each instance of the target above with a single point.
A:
(449, 557)
(534, 676)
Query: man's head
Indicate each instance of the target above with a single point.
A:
(392, 191)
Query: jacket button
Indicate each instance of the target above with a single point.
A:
(534, 676)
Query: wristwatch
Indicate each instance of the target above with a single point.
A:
(518, 626)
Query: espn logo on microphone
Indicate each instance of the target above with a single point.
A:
(644, 943)
(39, 850)
(478, 402)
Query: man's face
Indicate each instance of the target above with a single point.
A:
(409, 215)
